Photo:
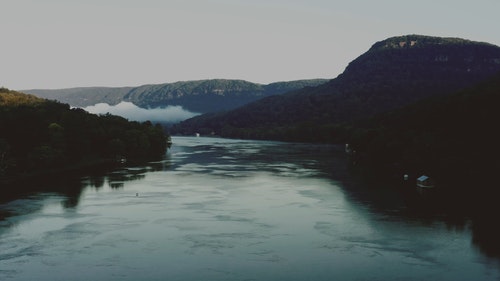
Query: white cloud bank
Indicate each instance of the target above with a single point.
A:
(135, 113)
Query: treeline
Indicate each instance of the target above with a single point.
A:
(39, 136)
(453, 139)
(394, 73)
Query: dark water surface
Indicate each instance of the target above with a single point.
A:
(218, 209)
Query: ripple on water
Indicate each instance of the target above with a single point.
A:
(227, 210)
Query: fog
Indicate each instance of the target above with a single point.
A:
(132, 112)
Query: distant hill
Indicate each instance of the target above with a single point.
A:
(393, 73)
(196, 96)
(85, 96)
(13, 98)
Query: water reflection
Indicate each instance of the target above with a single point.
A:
(402, 203)
(248, 204)
(72, 197)
(68, 188)
(486, 237)
(390, 202)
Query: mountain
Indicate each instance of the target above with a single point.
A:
(393, 73)
(453, 139)
(82, 97)
(196, 96)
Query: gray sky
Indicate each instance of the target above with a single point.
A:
(73, 43)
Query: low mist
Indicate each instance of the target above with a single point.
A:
(169, 114)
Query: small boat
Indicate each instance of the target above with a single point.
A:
(424, 183)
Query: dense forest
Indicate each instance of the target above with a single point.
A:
(38, 136)
(452, 138)
(393, 73)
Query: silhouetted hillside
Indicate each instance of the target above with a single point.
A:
(391, 74)
(451, 138)
(39, 136)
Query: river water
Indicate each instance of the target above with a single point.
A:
(220, 209)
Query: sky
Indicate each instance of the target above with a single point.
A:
(53, 44)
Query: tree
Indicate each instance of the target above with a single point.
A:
(4, 150)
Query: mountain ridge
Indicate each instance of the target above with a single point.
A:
(393, 73)
(195, 95)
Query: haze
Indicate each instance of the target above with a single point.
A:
(60, 44)
(134, 113)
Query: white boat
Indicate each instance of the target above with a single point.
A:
(425, 182)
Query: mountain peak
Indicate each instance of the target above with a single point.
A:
(424, 54)
(419, 41)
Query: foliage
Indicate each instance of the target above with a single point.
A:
(454, 138)
(12, 98)
(392, 74)
(38, 135)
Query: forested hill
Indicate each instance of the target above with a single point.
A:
(392, 73)
(197, 96)
(39, 136)
(454, 139)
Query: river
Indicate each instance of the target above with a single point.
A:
(222, 209)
